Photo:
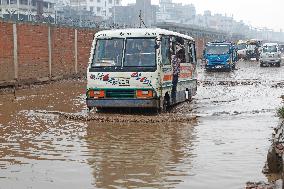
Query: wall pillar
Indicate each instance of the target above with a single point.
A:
(76, 51)
(15, 52)
(49, 53)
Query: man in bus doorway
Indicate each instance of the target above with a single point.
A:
(176, 60)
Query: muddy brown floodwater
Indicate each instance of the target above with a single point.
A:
(219, 140)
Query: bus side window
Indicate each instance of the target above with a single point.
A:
(187, 58)
(193, 52)
(190, 52)
(180, 49)
(165, 48)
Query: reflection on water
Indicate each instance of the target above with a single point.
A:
(224, 148)
(140, 155)
(40, 149)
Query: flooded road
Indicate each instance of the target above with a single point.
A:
(222, 144)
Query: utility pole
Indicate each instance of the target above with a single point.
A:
(18, 7)
(140, 19)
(113, 12)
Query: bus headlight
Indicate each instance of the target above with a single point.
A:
(144, 94)
(96, 93)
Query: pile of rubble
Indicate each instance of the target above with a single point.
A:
(278, 141)
(275, 154)
(259, 185)
(119, 118)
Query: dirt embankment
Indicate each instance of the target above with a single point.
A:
(277, 149)
(274, 165)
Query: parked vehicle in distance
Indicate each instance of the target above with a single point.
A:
(270, 55)
(220, 56)
(241, 49)
(253, 49)
(281, 48)
(141, 68)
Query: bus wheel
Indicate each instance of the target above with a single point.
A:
(166, 103)
(101, 110)
(188, 96)
(90, 109)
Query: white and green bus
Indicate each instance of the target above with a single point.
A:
(141, 68)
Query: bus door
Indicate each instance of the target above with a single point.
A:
(166, 67)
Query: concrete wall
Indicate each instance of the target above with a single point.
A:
(30, 52)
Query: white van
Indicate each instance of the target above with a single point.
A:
(270, 54)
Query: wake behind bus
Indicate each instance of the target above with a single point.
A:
(141, 68)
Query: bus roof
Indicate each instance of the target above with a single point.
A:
(138, 32)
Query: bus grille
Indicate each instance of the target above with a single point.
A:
(120, 93)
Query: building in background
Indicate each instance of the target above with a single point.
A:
(111, 13)
(100, 8)
(27, 10)
(79, 18)
(133, 15)
(175, 12)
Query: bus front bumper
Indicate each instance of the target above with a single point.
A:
(123, 103)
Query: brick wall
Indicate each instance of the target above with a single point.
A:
(63, 51)
(200, 43)
(33, 51)
(6, 52)
(85, 39)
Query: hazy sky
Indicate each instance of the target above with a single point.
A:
(258, 13)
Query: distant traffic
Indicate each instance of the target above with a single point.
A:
(225, 55)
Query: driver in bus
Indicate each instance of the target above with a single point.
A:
(112, 51)
(146, 53)
(132, 54)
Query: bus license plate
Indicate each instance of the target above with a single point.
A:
(123, 82)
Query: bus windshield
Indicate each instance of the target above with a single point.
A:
(108, 53)
(140, 52)
(217, 49)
